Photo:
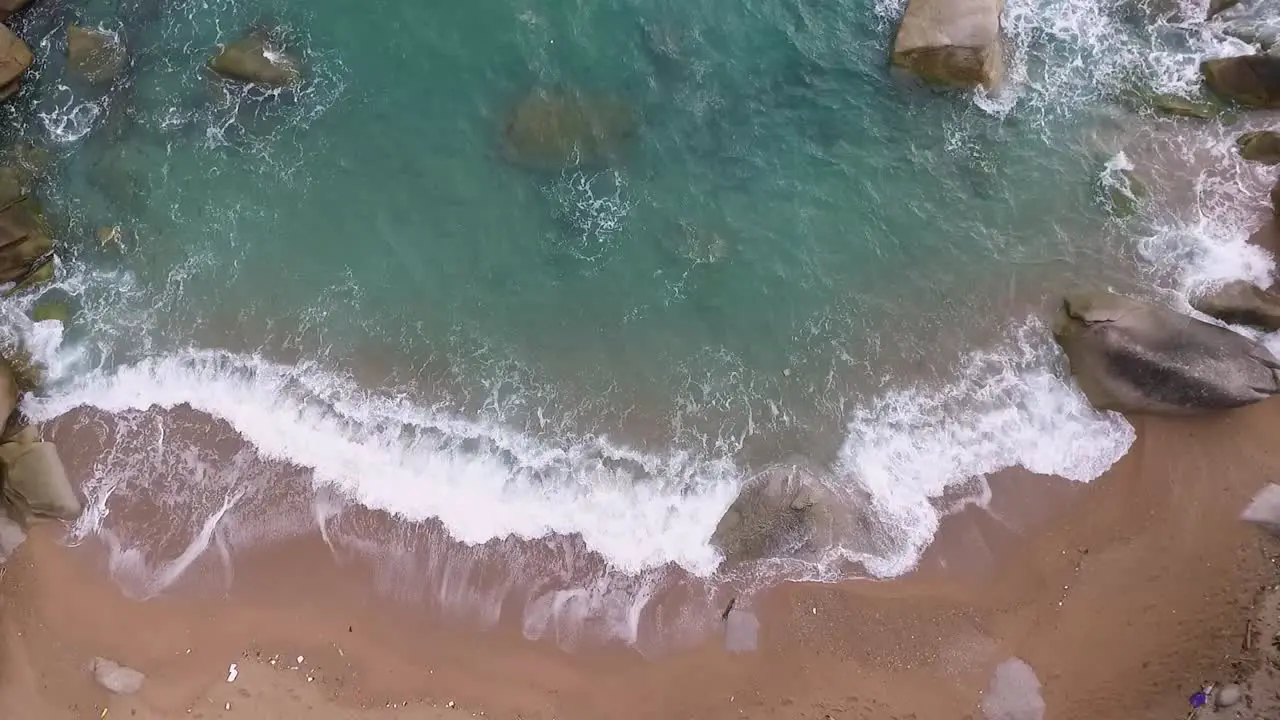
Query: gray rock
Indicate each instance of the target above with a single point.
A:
(94, 55)
(255, 59)
(741, 631)
(1253, 21)
(115, 677)
(1130, 356)
(1227, 695)
(1261, 146)
(1241, 303)
(952, 42)
(1264, 509)
(35, 482)
(785, 511)
(1014, 693)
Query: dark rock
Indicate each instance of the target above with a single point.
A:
(1217, 6)
(785, 511)
(35, 482)
(1241, 303)
(9, 7)
(1260, 146)
(952, 42)
(554, 129)
(256, 59)
(1256, 22)
(1275, 198)
(94, 55)
(115, 677)
(15, 58)
(1131, 356)
(1250, 80)
(24, 239)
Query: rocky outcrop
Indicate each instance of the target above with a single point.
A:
(15, 58)
(94, 55)
(1130, 356)
(25, 242)
(1256, 22)
(1217, 6)
(1260, 146)
(554, 129)
(256, 59)
(952, 42)
(1241, 303)
(785, 511)
(1250, 80)
(9, 7)
(1178, 106)
(35, 482)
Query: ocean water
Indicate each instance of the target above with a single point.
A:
(797, 254)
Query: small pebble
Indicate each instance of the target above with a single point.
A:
(299, 659)
(450, 705)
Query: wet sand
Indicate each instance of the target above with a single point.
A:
(1124, 595)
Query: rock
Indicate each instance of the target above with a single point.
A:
(1275, 198)
(15, 58)
(1250, 80)
(555, 129)
(784, 511)
(11, 536)
(42, 273)
(25, 243)
(95, 55)
(1227, 695)
(111, 236)
(35, 482)
(1125, 195)
(1178, 106)
(35, 160)
(1241, 303)
(9, 7)
(115, 677)
(1260, 146)
(51, 311)
(1014, 693)
(255, 59)
(952, 42)
(8, 392)
(1129, 356)
(1256, 22)
(1264, 509)
(1217, 6)
(741, 631)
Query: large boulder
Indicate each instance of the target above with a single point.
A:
(1251, 80)
(35, 482)
(953, 42)
(15, 58)
(785, 511)
(1275, 198)
(256, 59)
(1256, 22)
(8, 393)
(9, 7)
(1260, 146)
(1130, 356)
(1241, 303)
(95, 55)
(554, 129)
(25, 240)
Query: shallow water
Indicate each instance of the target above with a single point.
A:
(797, 253)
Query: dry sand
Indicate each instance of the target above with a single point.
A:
(1124, 596)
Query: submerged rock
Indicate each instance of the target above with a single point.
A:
(1130, 356)
(1241, 303)
(115, 677)
(1014, 693)
(51, 311)
(1178, 106)
(94, 55)
(15, 58)
(1126, 196)
(1256, 22)
(110, 236)
(1260, 146)
(785, 511)
(9, 7)
(35, 482)
(952, 42)
(554, 129)
(255, 59)
(1251, 80)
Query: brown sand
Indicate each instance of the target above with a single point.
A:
(1124, 595)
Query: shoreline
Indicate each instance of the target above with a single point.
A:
(1150, 561)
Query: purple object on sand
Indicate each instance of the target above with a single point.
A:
(1199, 699)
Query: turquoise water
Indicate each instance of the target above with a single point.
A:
(796, 253)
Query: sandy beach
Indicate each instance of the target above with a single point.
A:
(1125, 596)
